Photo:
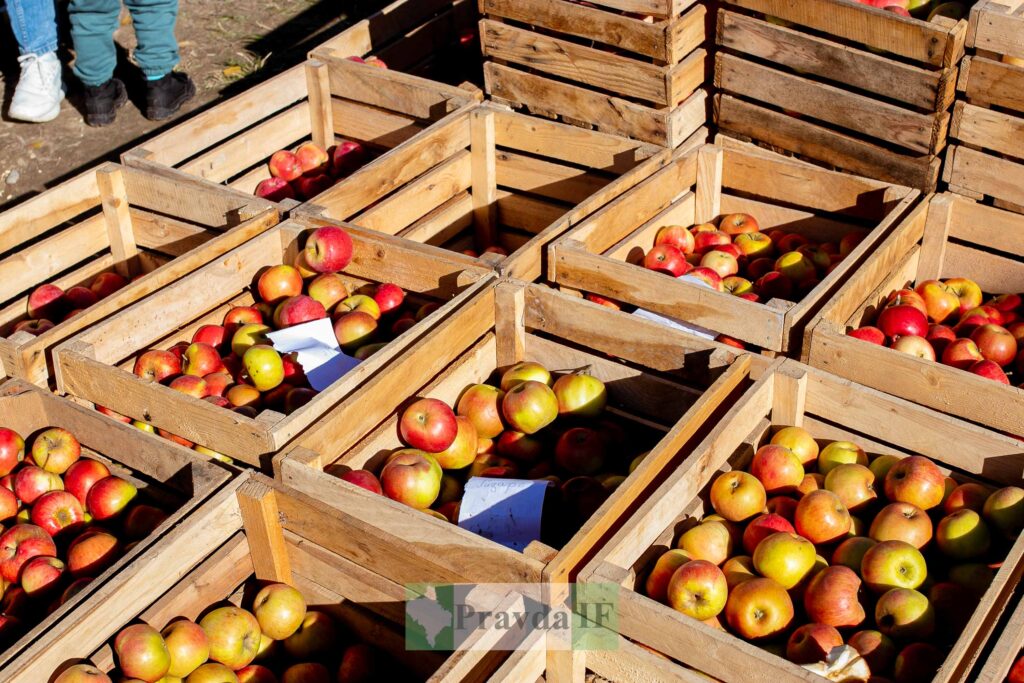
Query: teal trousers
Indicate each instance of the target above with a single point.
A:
(93, 23)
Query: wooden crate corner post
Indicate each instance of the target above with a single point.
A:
(117, 213)
(484, 178)
(321, 109)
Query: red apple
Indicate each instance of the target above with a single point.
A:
(31, 482)
(328, 249)
(412, 477)
(41, 575)
(520, 447)
(277, 283)
(274, 189)
(91, 552)
(737, 496)
(363, 479)
(698, 589)
(907, 297)
(312, 158)
(811, 643)
(665, 258)
(677, 236)
(12, 450)
(56, 511)
(854, 484)
(707, 276)
(967, 291)
(902, 522)
(80, 298)
(832, 598)
(285, 165)
(723, 263)
(428, 424)
(581, 451)
(706, 240)
(156, 365)
(481, 403)
(989, 370)
(389, 297)
(774, 285)
(46, 301)
(821, 517)
(915, 480)
(777, 468)
(33, 327)
(462, 450)
(106, 284)
(915, 346)
(529, 407)
(902, 319)
(241, 315)
(108, 497)
(18, 545)
(738, 223)
(346, 157)
(759, 609)
(82, 673)
(355, 329)
(995, 344)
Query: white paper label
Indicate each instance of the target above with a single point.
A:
(507, 511)
(317, 351)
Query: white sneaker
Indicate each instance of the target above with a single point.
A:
(40, 89)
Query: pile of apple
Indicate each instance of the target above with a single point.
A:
(278, 640)
(49, 305)
(530, 425)
(737, 257)
(946, 321)
(65, 519)
(810, 551)
(310, 170)
(233, 365)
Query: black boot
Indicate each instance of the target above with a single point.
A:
(103, 101)
(165, 96)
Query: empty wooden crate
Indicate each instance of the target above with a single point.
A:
(841, 83)
(949, 237)
(97, 365)
(988, 120)
(831, 409)
(151, 226)
(253, 531)
(636, 69)
(168, 476)
(604, 254)
(662, 407)
(490, 179)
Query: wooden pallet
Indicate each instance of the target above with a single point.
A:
(252, 530)
(841, 83)
(988, 120)
(166, 474)
(148, 222)
(97, 364)
(689, 380)
(630, 68)
(831, 409)
(490, 177)
(948, 237)
(322, 100)
(601, 254)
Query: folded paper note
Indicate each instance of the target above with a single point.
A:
(317, 351)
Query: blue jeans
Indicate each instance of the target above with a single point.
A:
(93, 23)
(35, 25)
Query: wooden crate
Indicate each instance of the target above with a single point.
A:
(97, 364)
(1005, 650)
(434, 39)
(689, 380)
(831, 409)
(174, 478)
(154, 223)
(490, 177)
(326, 98)
(601, 254)
(948, 237)
(838, 82)
(988, 119)
(631, 68)
(253, 530)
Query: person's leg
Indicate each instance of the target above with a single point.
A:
(93, 23)
(39, 92)
(35, 25)
(157, 55)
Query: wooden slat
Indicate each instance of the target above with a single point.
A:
(484, 178)
(546, 178)
(118, 219)
(376, 127)
(994, 28)
(989, 129)
(40, 214)
(986, 174)
(257, 503)
(990, 82)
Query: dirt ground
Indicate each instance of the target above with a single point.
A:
(226, 46)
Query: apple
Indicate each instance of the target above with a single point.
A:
(307, 672)
(41, 576)
(328, 249)
(580, 395)
(774, 285)
(723, 263)
(462, 450)
(363, 479)
(243, 395)
(656, 585)
(785, 557)
(754, 245)
(1004, 510)
(918, 662)
(358, 302)
(347, 156)
(316, 635)
(821, 517)
(759, 267)
(877, 649)
(255, 673)
(46, 301)
(33, 327)
(915, 346)
(850, 553)
(811, 643)
(274, 189)
(108, 497)
(279, 609)
(80, 298)
(905, 614)
(995, 344)
(707, 277)
(389, 297)
(821, 259)
(698, 589)
(787, 242)
(56, 511)
(963, 535)
(264, 366)
(907, 297)
(941, 302)
(285, 165)
(241, 315)
(296, 310)
(411, 477)
(940, 336)
(212, 672)
(354, 330)
(795, 266)
(187, 646)
(870, 334)
(312, 158)
(428, 424)
(82, 673)
(738, 569)
(777, 468)
(55, 450)
(581, 451)
(706, 240)
(799, 441)
(142, 652)
(31, 482)
(666, 258)
(737, 286)
(916, 480)
(738, 223)
(106, 284)
(233, 635)
(676, 236)
(328, 289)
(967, 291)
(832, 598)
(902, 319)
(840, 453)
(156, 365)
(92, 551)
(971, 496)
(530, 406)
(8, 504)
(357, 664)
(902, 522)
(853, 483)
(709, 540)
(277, 283)
(737, 496)
(481, 403)
(989, 370)
(759, 609)
(762, 527)
(893, 564)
